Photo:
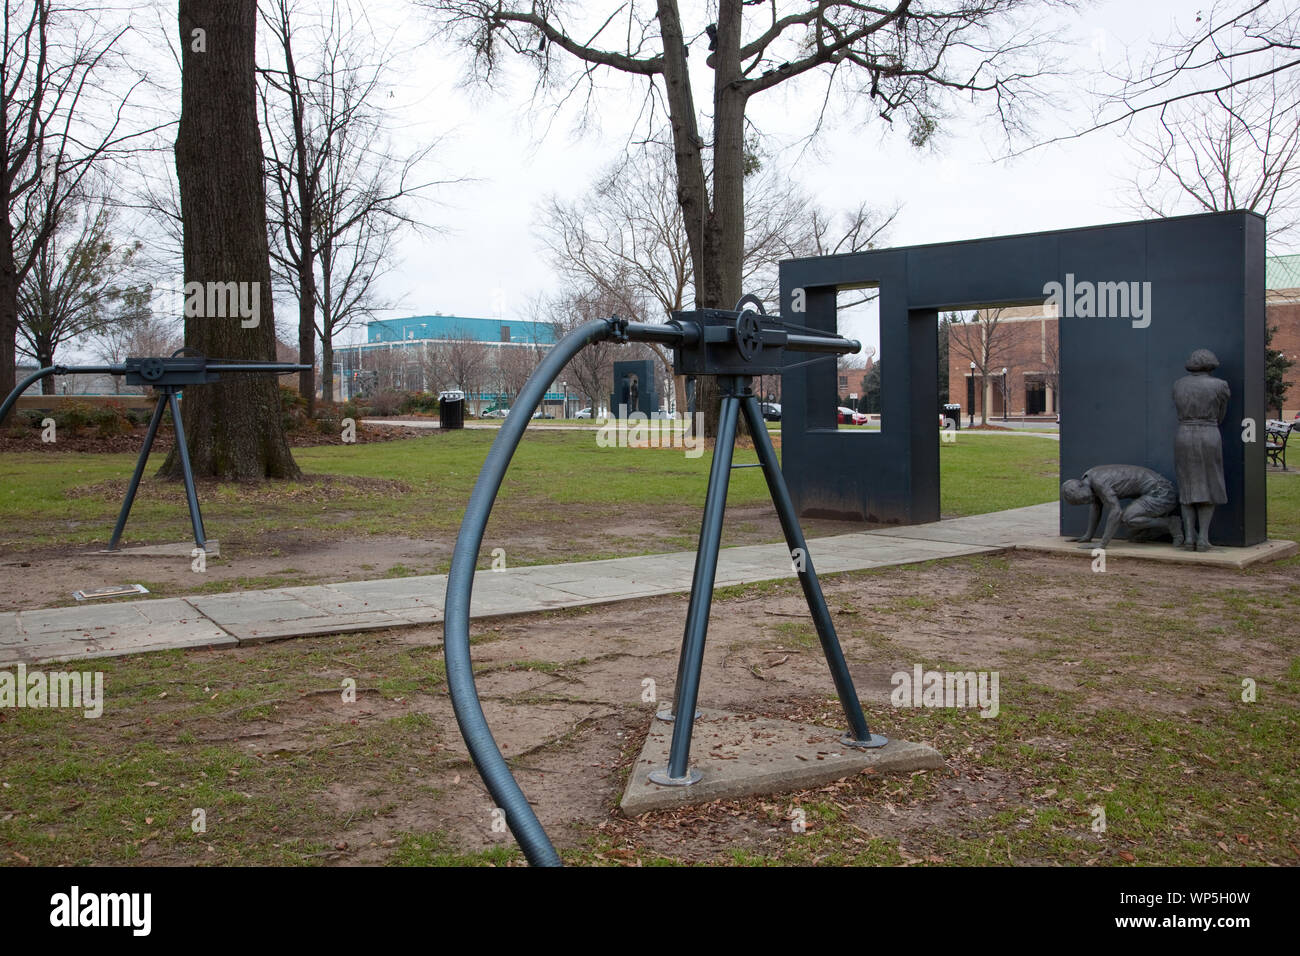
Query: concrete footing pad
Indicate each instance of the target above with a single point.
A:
(740, 756)
(183, 549)
(1271, 550)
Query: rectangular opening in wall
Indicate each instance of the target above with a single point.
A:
(857, 377)
(1003, 364)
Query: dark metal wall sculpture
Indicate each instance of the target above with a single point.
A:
(634, 388)
(1134, 299)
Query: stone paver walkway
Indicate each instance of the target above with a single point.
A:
(102, 630)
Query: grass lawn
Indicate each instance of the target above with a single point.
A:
(392, 509)
(1120, 691)
(418, 488)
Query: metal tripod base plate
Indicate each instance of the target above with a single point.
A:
(871, 743)
(661, 777)
(667, 716)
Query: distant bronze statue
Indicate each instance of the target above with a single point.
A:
(1103, 486)
(1201, 401)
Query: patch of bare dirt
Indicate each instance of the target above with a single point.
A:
(566, 696)
(45, 577)
(598, 661)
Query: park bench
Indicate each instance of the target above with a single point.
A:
(1276, 433)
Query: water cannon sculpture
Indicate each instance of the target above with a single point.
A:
(167, 376)
(732, 346)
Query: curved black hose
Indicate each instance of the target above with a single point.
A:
(460, 583)
(460, 580)
(23, 385)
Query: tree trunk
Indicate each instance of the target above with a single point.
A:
(727, 222)
(233, 427)
(306, 240)
(8, 303)
(327, 368)
(692, 188)
(44, 359)
(307, 330)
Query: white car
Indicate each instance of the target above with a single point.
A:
(582, 413)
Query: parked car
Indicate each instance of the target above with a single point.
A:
(495, 413)
(848, 416)
(583, 413)
(771, 412)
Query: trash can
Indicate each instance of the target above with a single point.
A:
(953, 413)
(451, 409)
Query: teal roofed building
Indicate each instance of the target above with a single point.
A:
(1282, 273)
(448, 327)
(429, 353)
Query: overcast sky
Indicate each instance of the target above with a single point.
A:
(487, 260)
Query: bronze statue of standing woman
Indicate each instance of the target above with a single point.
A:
(1201, 401)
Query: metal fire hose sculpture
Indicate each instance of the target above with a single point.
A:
(734, 346)
(167, 376)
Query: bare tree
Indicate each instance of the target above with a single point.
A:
(356, 221)
(626, 238)
(54, 60)
(1052, 364)
(293, 173)
(336, 190)
(433, 366)
(592, 370)
(1238, 148)
(134, 329)
(987, 341)
(459, 361)
(512, 365)
(902, 58)
(388, 365)
(1231, 44)
(73, 282)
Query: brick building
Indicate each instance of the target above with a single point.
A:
(1016, 369)
(1023, 341)
(1282, 309)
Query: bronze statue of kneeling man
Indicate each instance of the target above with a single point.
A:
(1155, 501)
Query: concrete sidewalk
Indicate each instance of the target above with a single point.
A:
(128, 627)
(104, 630)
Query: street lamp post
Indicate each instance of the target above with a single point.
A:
(565, 386)
(1004, 393)
(971, 422)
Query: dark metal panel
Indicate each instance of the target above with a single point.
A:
(1254, 463)
(984, 272)
(1206, 276)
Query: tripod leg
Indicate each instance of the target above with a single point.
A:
(697, 615)
(132, 488)
(191, 495)
(859, 735)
